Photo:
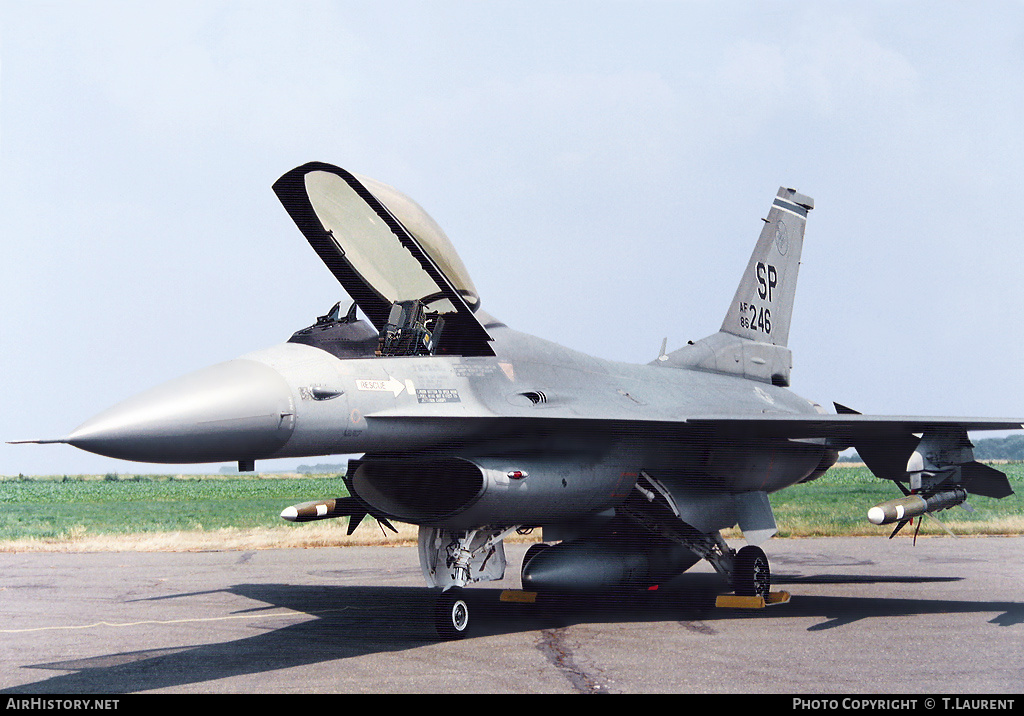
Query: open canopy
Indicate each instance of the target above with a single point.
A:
(384, 249)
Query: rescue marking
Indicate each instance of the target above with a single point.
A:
(384, 386)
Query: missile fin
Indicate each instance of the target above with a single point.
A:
(353, 520)
(898, 528)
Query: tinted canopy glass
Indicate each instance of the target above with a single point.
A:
(384, 249)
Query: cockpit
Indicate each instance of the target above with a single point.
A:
(395, 262)
(340, 333)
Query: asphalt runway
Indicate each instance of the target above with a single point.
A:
(867, 616)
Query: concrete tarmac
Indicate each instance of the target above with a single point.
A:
(867, 616)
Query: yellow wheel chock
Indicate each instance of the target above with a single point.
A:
(732, 601)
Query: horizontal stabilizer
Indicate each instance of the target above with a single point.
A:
(888, 459)
(980, 479)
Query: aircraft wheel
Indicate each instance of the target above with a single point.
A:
(451, 614)
(751, 574)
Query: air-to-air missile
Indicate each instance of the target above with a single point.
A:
(351, 507)
(316, 510)
(904, 508)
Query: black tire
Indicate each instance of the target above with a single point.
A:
(451, 614)
(751, 574)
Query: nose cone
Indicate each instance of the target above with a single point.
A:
(241, 409)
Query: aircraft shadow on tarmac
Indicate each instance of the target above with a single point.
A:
(347, 622)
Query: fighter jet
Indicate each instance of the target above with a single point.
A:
(474, 431)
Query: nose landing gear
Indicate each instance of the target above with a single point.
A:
(451, 614)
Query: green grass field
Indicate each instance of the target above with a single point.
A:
(56, 506)
(60, 507)
(837, 504)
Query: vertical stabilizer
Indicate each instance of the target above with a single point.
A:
(752, 340)
(763, 305)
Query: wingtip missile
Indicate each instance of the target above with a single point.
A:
(904, 508)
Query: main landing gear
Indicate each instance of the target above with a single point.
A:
(751, 582)
(748, 570)
(452, 559)
(751, 575)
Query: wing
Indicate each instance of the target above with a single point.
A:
(842, 431)
(885, 443)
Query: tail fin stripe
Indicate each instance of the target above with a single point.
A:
(794, 208)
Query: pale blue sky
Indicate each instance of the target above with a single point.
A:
(601, 167)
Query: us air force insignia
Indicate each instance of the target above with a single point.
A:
(781, 238)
